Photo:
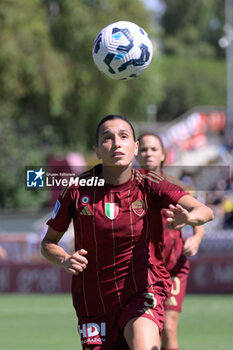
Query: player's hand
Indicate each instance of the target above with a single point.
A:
(76, 263)
(191, 246)
(176, 217)
(3, 254)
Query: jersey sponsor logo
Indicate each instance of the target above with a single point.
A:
(85, 211)
(138, 207)
(56, 208)
(111, 210)
(92, 332)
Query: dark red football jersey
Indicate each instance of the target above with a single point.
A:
(120, 226)
(174, 259)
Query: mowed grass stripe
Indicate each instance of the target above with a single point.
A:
(48, 322)
(38, 322)
(206, 323)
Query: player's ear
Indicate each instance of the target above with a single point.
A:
(136, 148)
(163, 157)
(96, 149)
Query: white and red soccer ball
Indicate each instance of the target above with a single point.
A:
(122, 50)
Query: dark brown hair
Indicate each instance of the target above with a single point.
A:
(158, 138)
(112, 117)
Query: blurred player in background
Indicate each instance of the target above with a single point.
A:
(151, 156)
(119, 281)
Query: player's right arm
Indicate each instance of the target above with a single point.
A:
(55, 254)
(191, 244)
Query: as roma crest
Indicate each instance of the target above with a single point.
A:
(138, 207)
(111, 210)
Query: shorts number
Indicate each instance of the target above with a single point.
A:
(149, 304)
(175, 286)
(152, 301)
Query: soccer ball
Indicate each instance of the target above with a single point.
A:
(122, 50)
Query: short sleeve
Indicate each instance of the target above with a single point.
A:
(62, 213)
(170, 193)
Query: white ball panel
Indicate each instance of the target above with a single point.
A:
(122, 50)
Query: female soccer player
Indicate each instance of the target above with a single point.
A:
(119, 282)
(152, 155)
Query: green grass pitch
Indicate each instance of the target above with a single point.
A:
(48, 322)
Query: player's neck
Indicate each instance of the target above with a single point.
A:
(157, 169)
(116, 175)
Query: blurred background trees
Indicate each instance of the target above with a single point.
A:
(194, 69)
(52, 95)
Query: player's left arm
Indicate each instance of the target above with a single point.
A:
(188, 211)
(191, 244)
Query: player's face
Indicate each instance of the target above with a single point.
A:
(116, 143)
(150, 153)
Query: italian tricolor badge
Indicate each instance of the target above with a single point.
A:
(111, 210)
